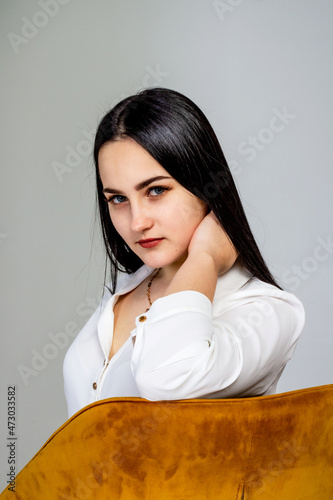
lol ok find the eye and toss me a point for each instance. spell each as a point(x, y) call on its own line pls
point(158, 188)
point(118, 199)
point(115, 199)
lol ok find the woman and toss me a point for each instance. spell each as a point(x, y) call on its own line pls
point(196, 312)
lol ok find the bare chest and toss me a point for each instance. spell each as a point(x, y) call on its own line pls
point(126, 309)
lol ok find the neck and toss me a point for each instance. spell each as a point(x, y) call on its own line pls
point(167, 273)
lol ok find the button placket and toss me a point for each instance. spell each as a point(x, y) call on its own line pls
point(138, 341)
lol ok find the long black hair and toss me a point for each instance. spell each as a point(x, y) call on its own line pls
point(177, 134)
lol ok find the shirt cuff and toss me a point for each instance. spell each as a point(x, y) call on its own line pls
point(177, 303)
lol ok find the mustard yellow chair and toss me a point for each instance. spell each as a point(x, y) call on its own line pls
point(272, 447)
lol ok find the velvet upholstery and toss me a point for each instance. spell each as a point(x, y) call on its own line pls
point(271, 447)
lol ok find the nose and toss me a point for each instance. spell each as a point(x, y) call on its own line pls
point(141, 219)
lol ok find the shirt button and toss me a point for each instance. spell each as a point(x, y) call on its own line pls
point(142, 318)
point(94, 385)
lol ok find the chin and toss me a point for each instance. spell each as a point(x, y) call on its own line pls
point(176, 261)
point(157, 261)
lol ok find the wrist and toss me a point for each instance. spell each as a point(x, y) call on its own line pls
point(203, 258)
point(197, 273)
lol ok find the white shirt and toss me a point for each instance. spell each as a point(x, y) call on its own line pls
point(187, 347)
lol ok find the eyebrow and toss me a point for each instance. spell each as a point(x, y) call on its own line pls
point(139, 186)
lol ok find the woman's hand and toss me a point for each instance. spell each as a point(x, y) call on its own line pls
point(210, 238)
point(210, 253)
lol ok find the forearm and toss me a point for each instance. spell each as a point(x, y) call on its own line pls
point(197, 273)
point(183, 351)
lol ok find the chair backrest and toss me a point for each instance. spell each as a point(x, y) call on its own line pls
point(271, 447)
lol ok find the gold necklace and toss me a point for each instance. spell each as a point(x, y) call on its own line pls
point(148, 289)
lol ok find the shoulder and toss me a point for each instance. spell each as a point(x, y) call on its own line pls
point(238, 285)
point(255, 289)
point(247, 298)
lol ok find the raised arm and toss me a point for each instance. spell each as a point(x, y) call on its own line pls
point(210, 253)
point(188, 347)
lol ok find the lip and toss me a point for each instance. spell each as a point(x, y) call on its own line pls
point(151, 242)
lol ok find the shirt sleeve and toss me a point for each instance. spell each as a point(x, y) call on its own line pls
point(181, 350)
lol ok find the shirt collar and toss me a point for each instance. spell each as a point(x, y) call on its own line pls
point(231, 281)
point(125, 283)
point(227, 283)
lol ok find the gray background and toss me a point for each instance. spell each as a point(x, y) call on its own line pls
point(241, 62)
